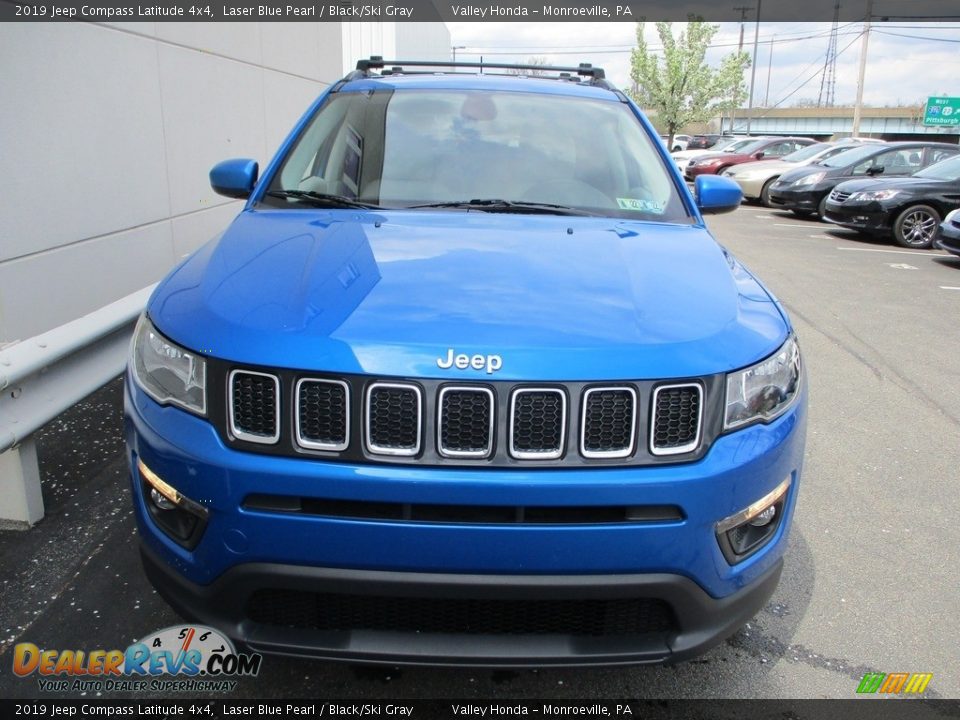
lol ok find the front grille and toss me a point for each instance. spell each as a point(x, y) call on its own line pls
point(466, 422)
point(393, 419)
point(323, 421)
point(839, 196)
point(345, 613)
point(253, 406)
point(431, 422)
point(677, 411)
point(609, 422)
point(538, 421)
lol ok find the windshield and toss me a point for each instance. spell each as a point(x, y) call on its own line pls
point(405, 148)
point(943, 170)
point(753, 146)
point(736, 145)
point(851, 157)
point(805, 153)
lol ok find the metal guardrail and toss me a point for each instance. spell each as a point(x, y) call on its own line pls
point(44, 375)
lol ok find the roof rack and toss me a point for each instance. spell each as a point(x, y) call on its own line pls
point(593, 75)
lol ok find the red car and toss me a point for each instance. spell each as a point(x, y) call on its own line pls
point(765, 148)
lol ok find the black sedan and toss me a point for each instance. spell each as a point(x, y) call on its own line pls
point(949, 237)
point(909, 208)
point(805, 190)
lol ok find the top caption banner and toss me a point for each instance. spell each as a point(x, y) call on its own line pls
point(460, 11)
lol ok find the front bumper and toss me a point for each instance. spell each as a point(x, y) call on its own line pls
point(750, 186)
point(677, 562)
point(869, 217)
point(807, 199)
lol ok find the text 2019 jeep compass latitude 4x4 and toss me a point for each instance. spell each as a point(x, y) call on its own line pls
point(467, 381)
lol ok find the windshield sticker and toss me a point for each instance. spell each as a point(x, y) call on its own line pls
point(647, 206)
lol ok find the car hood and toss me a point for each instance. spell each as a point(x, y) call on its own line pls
point(898, 183)
point(761, 167)
point(388, 293)
point(799, 172)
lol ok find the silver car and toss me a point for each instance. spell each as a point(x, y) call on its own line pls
point(755, 178)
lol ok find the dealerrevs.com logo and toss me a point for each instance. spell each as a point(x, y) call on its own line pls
point(182, 658)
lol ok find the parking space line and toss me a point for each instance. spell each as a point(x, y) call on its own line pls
point(949, 287)
point(896, 252)
point(805, 227)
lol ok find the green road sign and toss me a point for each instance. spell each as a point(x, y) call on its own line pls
point(942, 111)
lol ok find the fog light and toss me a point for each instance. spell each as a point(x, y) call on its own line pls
point(161, 501)
point(181, 518)
point(745, 532)
point(765, 518)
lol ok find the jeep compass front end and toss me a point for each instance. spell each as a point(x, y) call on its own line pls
point(467, 382)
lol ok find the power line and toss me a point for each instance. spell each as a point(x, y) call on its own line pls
point(917, 37)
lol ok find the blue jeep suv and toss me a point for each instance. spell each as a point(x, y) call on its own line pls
point(466, 382)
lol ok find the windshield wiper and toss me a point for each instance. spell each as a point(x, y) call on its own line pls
point(506, 206)
point(321, 199)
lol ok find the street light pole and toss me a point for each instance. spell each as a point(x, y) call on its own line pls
point(863, 70)
point(454, 48)
point(753, 70)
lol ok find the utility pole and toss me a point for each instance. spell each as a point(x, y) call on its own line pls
point(753, 70)
point(766, 100)
point(743, 10)
point(863, 69)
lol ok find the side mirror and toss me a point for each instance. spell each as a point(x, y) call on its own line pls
point(758, 155)
point(876, 170)
point(234, 178)
point(716, 194)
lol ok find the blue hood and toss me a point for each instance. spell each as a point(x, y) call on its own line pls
point(387, 293)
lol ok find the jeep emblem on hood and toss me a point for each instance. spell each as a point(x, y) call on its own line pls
point(478, 362)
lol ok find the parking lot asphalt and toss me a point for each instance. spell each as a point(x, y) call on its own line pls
point(871, 582)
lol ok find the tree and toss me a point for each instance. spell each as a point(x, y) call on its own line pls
point(538, 61)
point(680, 86)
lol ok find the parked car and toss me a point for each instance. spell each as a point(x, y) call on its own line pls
point(726, 144)
point(704, 142)
point(805, 190)
point(460, 369)
point(909, 209)
point(948, 237)
point(755, 178)
point(762, 148)
point(679, 142)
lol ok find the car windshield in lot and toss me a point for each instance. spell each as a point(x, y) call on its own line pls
point(948, 170)
point(482, 150)
point(805, 153)
point(845, 159)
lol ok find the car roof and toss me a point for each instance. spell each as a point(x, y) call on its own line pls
point(475, 81)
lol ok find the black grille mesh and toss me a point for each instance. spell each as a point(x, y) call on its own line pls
point(537, 421)
point(394, 417)
point(676, 416)
point(608, 421)
point(465, 421)
point(333, 612)
point(323, 413)
point(255, 404)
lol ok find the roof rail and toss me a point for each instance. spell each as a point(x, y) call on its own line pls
point(393, 67)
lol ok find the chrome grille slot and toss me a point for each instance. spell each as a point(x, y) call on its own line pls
point(608, 425)
point(323, 414)
point(465, 427)
point(394, 418)
point(839, 196)
point(253, 404)
point(538, 423)
point(677, 415)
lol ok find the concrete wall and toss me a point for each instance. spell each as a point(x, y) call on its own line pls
point(108, 133)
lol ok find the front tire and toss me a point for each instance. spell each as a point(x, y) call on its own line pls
point(916, 226)
point(765, 192)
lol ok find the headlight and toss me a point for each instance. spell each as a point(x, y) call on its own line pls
point(868, 195)
point(811, 179)
point(765, 390)
point(166, 372)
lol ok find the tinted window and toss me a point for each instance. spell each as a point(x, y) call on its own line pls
point(892, 162)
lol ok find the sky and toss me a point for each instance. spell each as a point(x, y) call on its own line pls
point(900, 70)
